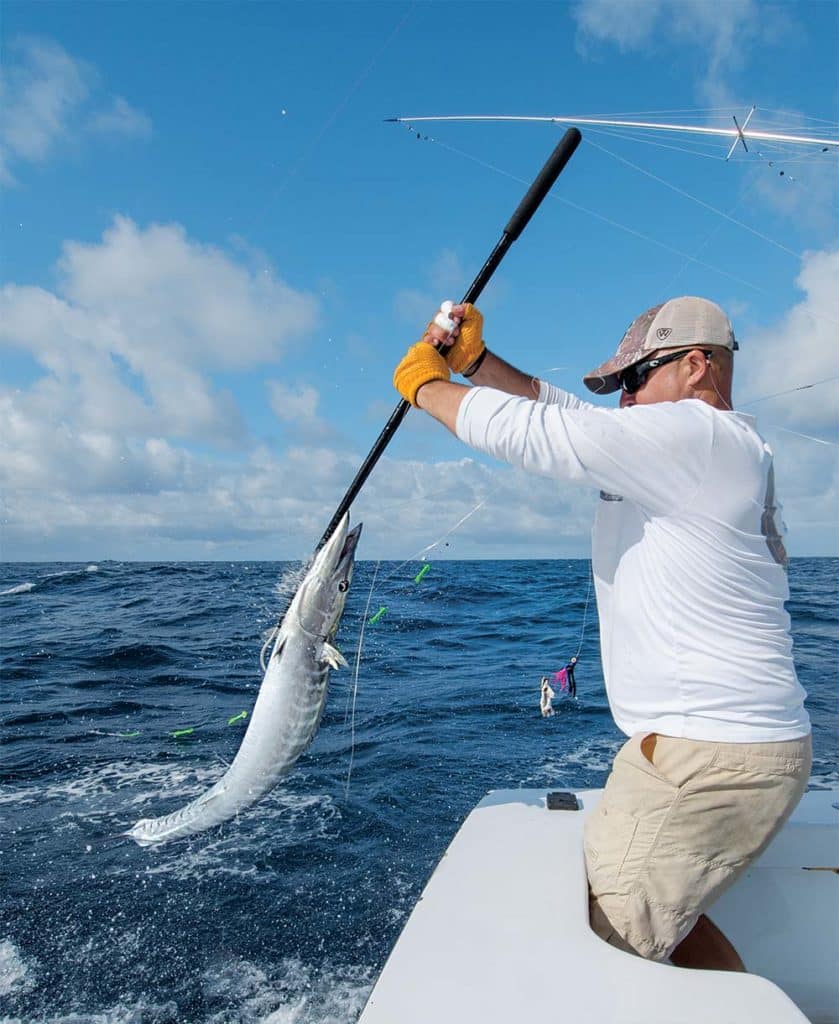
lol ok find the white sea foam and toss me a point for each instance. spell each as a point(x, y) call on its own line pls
point(114, 795)
point(16, 974)
point(158, 780)
point(284, 819)
point(286, 586)
point(141, 1012)
point(289, 992)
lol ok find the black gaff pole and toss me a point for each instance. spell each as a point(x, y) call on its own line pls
point(518, 222)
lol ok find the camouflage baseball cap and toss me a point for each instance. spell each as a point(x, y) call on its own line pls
point(685, 322)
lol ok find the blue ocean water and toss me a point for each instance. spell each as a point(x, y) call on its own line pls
point(286, 915)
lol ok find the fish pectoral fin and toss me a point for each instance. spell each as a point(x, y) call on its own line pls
point(332, 656)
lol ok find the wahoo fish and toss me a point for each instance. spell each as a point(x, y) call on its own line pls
point(290, 701)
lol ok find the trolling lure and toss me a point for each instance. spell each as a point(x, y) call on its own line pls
point(379, 614)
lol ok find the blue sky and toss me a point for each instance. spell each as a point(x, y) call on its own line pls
point(215, 251)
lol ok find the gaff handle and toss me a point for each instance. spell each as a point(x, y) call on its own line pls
point(544, 182)
point(517, 223)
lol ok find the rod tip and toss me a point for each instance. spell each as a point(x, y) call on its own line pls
point(390, 120)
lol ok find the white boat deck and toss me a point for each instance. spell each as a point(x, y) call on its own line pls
point(501, 932)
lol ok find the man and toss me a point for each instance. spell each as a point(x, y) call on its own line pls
point(690, 577)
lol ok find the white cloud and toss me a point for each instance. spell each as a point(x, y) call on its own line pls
point(41, 88)
point(447, 280)
point(118, 449)
point(626, 23)
point(128, 345)
point(120, 118)
point(44, 95)
point(798, 350)
point(717, 42)
point(294, 404)
point(182, 301)
point(273, 505)
point(722, 35)
point(722, 31)
point(410, 505)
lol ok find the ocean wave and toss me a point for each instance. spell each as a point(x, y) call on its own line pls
point(50, 579)
point(21, 588)
point(584, 767)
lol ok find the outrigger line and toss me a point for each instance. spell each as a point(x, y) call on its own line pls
point(737, 133)
point(690, 258)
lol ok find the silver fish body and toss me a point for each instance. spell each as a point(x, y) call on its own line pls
point(290, 701)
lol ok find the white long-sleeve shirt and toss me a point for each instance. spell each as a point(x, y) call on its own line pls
point(688, 561)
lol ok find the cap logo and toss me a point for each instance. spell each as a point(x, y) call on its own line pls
point(663, 333)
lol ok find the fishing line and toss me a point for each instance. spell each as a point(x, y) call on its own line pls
point(585, 609)
point(430, 547)
point(592, 213)
point(366, 617)
point(809, 437)
point(801, 117)
point(789, 391)
point(330, 120)
point(667, 290)
point(175, 734)
point(380, 512)
point(355, 681)
point(700, 202)
point(633, 231)
point(734, 135)
point(707, 153)
point(697, 111)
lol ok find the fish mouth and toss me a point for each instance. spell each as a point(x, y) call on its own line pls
point(351, 541)
point(347, 556)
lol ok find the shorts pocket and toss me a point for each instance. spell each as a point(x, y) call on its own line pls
point(607, 839)
point(674, 760)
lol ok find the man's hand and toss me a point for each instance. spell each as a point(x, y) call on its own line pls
point(421, 364)
point(460, 330)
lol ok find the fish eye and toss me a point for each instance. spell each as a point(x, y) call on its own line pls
point(344, 586)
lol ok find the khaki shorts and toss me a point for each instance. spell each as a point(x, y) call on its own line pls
point(679, 821)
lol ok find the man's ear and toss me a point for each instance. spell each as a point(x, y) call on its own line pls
point(697, 363)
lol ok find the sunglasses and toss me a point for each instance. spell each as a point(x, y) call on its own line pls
point(633, 377)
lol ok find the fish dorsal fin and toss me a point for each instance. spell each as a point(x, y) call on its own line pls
point(332, 656)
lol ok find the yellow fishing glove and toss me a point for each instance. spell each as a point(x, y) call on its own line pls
point(421, 364)
point(469, 346)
